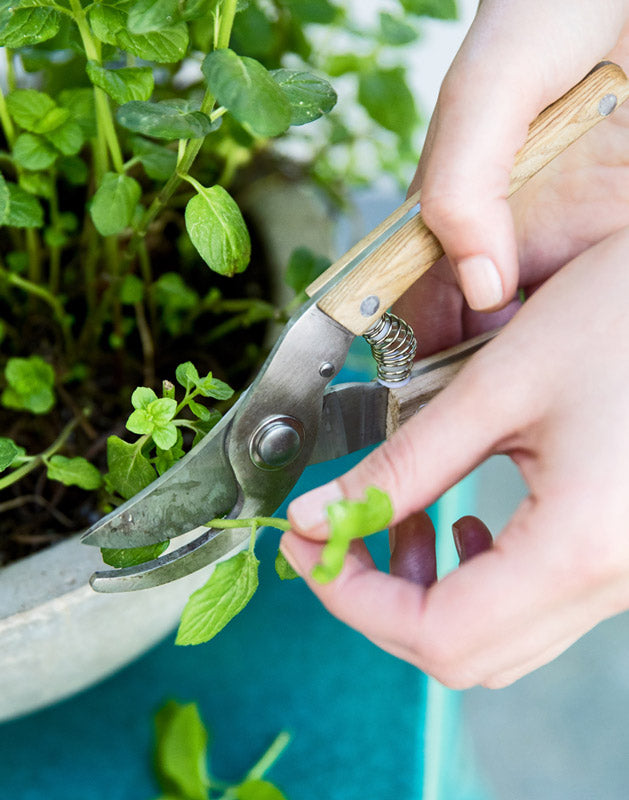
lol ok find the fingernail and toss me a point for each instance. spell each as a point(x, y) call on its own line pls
point(481, 282)
point(458, 542)
point(309, 510)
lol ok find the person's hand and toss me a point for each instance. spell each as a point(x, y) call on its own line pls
point(549, 391)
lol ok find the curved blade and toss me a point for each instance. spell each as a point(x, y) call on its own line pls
point(193, 491)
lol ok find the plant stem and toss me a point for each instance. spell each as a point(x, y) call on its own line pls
point(261, 522)
point(264, 764)
point(228, 12)
point(5, 119)
point(37, 460)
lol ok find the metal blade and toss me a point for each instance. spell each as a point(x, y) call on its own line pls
point(193, 491)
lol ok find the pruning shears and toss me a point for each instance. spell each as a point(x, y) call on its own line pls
point(290, 416)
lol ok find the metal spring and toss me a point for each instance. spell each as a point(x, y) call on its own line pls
point(393, 346)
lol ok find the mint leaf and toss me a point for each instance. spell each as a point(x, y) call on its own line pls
point(9, 451)
point(123, 85)
point(387, 99)
point(29, 26)
point(30, 385)
point(164, 46)
point(129, 470)
point(283, 568)
point(131, 556)
point(74, 472)
point(303, 268)
point(439, 9)
point(351, 519)
point(210, 608)
point(25, 211)
point(167, 119)
point(396, 31)
point(32, 152)
point(257, 789)
point(142, 396)
point(309, 96)
point(248, 92)
point(218, 231)
point(158, 161)
point(152, 15)
point(106, 22)
point(35, 111)
point(131, 290)
point(187, 375)
point(67, 137)
point(114, 202)
point(181, 757)
point(213, 387)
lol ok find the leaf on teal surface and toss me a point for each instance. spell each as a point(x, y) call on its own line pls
point(181, 757)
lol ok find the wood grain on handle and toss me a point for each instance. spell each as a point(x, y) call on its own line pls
point(388, 272)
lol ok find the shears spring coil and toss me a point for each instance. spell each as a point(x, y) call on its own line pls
point(393, 346)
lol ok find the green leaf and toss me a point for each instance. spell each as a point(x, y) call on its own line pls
point(439, 9)
point(213, 387)
point(210, 608)
point(167, 119)
point(82, 110)
point(152, 15)
point(388, 100)
point(181, 756)
point(309, 96)
point(187, 375)
point(29, 26)
point(30, 385)
point(201, 411)
point(9, 451)
point(258, 789)
point(37, 183)
point(67, 137)
point(114, 203)
point(166, 458)
point(319, 11)
point(303, 268)
point(33, 152)
point(25, 211)
point(247, 90)
point(129, 470)
point(351, 519)
point(165, 46)
point(74, 472)
point(106, 22)
point(283, 568)
point(165, 436)
point(218, 231)
point(131, 556)
point(396, 31)
point(131, 290)
point(34, 111)
point(74, 170)
point(158, 161)
point(5, 200)
point(142, 397)
point(123, 85)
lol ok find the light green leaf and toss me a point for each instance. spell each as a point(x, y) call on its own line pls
point(106, 22)
point(258, 789)
point(5, 200)
point(28, 26)
point(218, 231)
point(388, 100)
point(158, 161)
point(142, 397)
point(37, 183)
point(248, 91)
point(123, 85)
point(309, 96)
point(74, 472)
point(131, 556)
point(152, 417)
point(31, 108)
point(167, 119)
point(210, 608)
point(30, 384)
point(165, 436)
point(152, 15)
point(131, 290)
point(439, 9)
point(181, 756)
point(67, 137)
point(187, 375)
point(9, 451)
point(283, 568)
point(320, 11)
point(165, 46)
point(351, 519)
point(129, 470)
point(32, 152)
point(166, 458)
point(396, 31)
point(25, 211)
point(213, 387)
point(201, 411)
point(114, 203)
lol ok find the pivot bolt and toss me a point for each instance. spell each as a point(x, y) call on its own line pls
point(276, 442)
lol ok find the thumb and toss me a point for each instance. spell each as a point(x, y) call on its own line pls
point(516, 59)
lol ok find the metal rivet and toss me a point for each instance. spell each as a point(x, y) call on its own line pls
point(277, 442)
point(326, 370)
point(607, 104)
point(370, 305)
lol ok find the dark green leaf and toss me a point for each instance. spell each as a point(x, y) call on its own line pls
point(129, 470)
point(123, 85)
point(9, 451)
point(80, 104)
point(248, 91)
point(168, 119)
point(283, 568)
point(165, 46)
point(254, 33)
point(106, 22)
point(131, 556)
point(25, 211)
point(195, 9)
point(166, 458)
point(303, 268)
point(388, 100)
point(74, 170)
point(74, 472)
point(351, 519)
point(131, 290)
point(309, 96)
point(5, 200)
point(218, 231)
point(258, 789)
point(37, 183)
point(30, 384)
point(28, 26)
point(158, 161)
point(396, 31)
point(320, 11)
point(439, 9)
point(181, 756)
point(32, 152)
point(67, 137)
point(210, 608)
point(152, 15)
point(213, 387)
point(344, 63)
point(114, 203)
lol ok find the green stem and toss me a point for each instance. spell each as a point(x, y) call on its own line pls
point(5, 118)
point(264, 764)
point(261, 522)
point(228, 12)
point(37, 460)
point(55, 251)
point(34, 255)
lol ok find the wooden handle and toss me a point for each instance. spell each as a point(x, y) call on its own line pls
point(388, 271)
point(428, 378)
